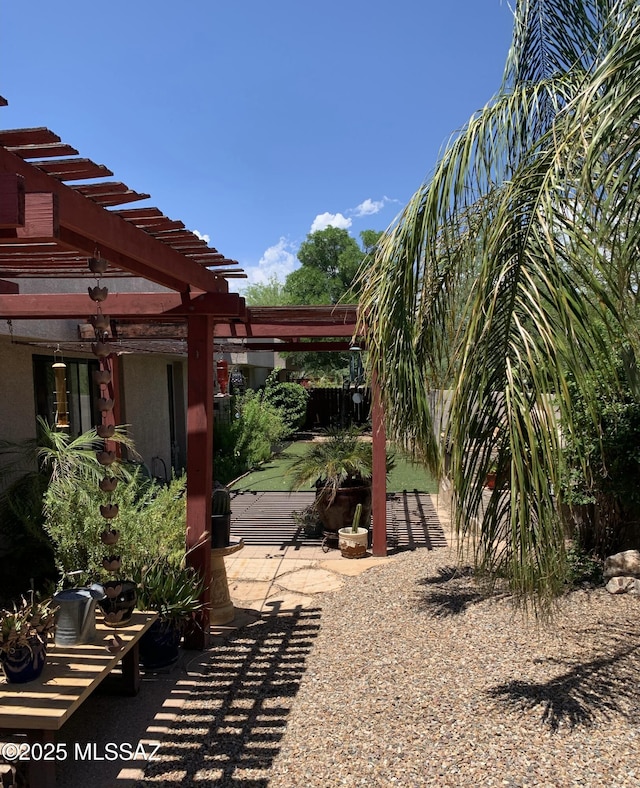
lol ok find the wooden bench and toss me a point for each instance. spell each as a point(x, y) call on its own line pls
point(71, 673)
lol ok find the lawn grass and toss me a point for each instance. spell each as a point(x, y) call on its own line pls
point(271, 476)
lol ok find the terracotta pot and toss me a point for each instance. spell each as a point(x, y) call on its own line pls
point(339, 513)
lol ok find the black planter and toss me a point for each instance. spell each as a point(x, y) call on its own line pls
point(159, 645)
point(25, 663)
point(220, 530)
point(119, 609)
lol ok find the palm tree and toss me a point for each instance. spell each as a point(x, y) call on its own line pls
point(507, 273)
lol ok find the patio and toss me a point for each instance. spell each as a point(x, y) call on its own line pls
point(278, 589)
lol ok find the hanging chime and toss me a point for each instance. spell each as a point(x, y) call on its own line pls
point(62, 407)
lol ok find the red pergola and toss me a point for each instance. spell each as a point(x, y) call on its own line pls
point(50, 225)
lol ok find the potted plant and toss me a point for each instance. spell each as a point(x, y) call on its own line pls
point(353, 540)
point(341, 467)
point(24, 632)
point(173, 590)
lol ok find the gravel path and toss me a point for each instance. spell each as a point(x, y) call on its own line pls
point(408, 676)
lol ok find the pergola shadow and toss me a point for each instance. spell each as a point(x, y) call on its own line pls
point(266, 518)
point(229, 730)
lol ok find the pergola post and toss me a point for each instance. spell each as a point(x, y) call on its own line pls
point(379, 480)
point(200, 461)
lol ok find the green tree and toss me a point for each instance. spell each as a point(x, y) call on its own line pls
point(269, 293)
point(489, 283)
point(330, 260)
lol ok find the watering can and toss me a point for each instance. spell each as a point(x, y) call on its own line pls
point(76, 615)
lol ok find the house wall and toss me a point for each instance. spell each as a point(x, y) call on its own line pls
point(145, 408)
point(17, 401)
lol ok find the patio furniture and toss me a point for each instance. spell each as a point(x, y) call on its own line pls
point(41, 707)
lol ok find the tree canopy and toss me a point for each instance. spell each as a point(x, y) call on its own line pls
point(509, 271)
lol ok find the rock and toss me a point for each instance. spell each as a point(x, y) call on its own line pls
point(623, 585)
point(626, 564)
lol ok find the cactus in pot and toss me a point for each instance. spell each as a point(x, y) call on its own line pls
point(220, 516)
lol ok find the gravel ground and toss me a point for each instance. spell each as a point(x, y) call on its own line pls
point(409, 676)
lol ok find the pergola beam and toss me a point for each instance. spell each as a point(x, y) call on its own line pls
point(151, 306)
point(139, 253)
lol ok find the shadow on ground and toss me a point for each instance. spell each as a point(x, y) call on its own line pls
point(587, 692)
point(229, 731)
point(450, 592)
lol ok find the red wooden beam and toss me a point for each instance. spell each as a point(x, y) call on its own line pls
point(279, 331)
point(379, 480)
point(11, 200)
point(138, 252)
point(28, 306)
point(200, 462)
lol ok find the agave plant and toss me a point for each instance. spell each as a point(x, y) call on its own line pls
point(171, 589)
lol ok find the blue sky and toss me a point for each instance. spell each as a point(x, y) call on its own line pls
point(255, 122)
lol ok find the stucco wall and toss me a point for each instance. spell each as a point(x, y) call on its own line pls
point(146, 408)
point(17, 403)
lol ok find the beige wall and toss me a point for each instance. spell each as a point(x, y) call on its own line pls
point(146, 409)
point(17, 402)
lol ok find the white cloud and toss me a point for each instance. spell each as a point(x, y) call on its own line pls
point(278, 260)
point(324, 220)
point(369, 207)
point(202, 236)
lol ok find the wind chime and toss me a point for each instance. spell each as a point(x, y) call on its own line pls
point(60, 375)
point(103, 377)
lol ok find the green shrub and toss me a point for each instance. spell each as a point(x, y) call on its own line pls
point(260, 428)
point(290, 400)
point(151, 519)
point(601, 471)
point(582, 567)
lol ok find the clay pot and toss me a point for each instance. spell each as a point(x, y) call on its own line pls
point(109, 537)
point(109, 510)
point(106, 457)
point(104, 404)
point(105, 431)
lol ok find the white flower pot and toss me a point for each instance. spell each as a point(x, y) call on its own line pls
point(353, 545)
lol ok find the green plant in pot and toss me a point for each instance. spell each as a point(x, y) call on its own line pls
point(24, 632)
point(173, 590)
point(353, 540)
point(340, 466)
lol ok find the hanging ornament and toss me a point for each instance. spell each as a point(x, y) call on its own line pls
point(62, 407)
point(222, 373)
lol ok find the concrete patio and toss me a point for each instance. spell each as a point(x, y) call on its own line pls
point(265, 581)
